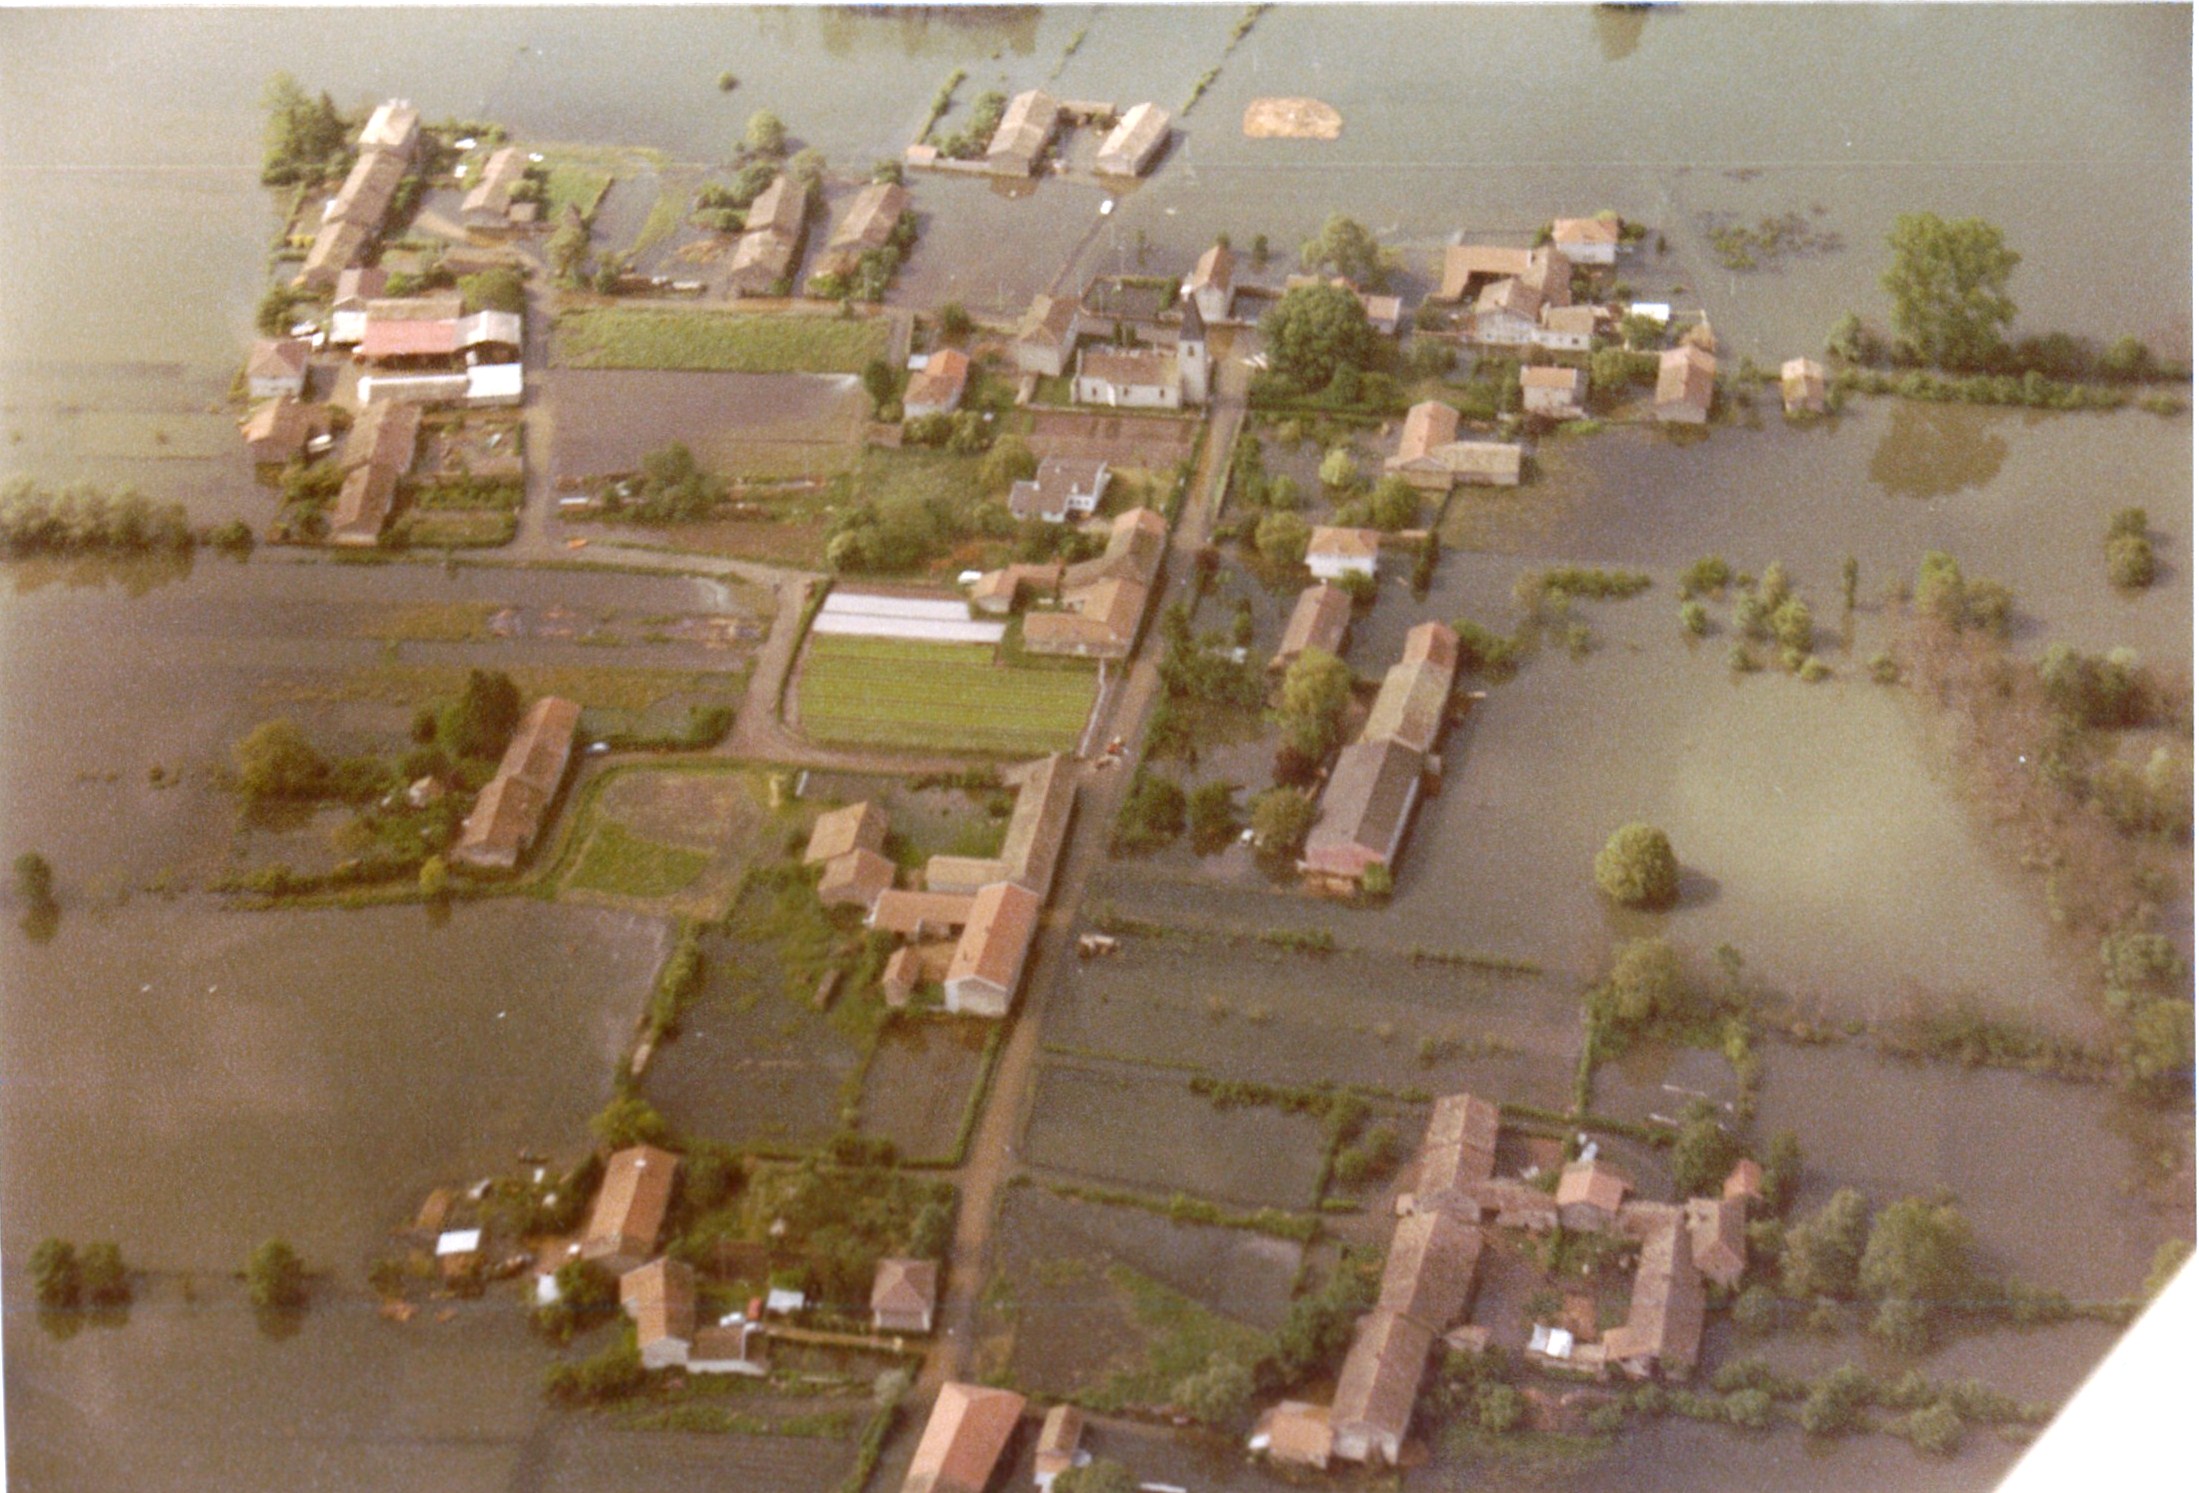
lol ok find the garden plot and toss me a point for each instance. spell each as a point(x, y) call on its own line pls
point(939, 697)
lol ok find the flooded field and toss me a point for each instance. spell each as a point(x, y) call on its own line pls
point(919, 1085)
point(753, 425)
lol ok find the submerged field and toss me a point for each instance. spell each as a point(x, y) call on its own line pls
point(940, 697)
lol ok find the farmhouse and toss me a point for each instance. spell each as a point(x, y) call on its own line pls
point(1375, 1392)
point(1334, 553)
point(376, 455)
point(1468, 268)
point(1458, 1152)
point(277, 367)
point(764, 258)
point(1559, 393)
point(868, 224)
point(1663, 1331)
point(1212, 283)
point(1590, 1194)
point(1037, 825)
point(855, 879)
point(629, 1209)
point(1431, 458)
point(858, 826)
point(1363, 811)
point(1687, 378)
point(1026, 129)
point(1568, 329)
point(1295, 1432)
point(489, 205)
point(351, 220)
point(962, 1442)
point(1046, 336)
point(1416, 692)
point(1587, 240)
point(1321, 619)
point(903, 1295)
point(1429, 1273)
point(937, 388)
point(394, 126)
point(279, 430)
point(997, 591)
point(1103, 600)
point(1717, 1234)
point(1148, 377)
point(1802, 386)
point(988, 961)
point(358, 286)
point(1135, 140)
point(1062, 486)
point(1058, 1437)
point(509, 814)
point(920, 915)
point(660, 1297)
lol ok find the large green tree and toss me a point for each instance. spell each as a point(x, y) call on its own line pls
point(1823, 1253)
point(1313, 331)
point(1949, 281)
point(275, 1276)
point(1344, 245)
point(480, 722)
point(275, 761)
point(1315, 689)
point(1636, 867)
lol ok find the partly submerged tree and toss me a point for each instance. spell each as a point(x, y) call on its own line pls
point(1949, 281)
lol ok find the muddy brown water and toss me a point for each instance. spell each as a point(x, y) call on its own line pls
point(2046, 120)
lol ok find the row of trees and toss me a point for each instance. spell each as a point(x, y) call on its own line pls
point(88, 519)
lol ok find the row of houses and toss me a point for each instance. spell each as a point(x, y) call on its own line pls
point(1099, 603)
point(354, 217)
point(971, 926)
point(1370, 795)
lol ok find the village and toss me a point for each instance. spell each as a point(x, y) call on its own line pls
point(1036, 1078)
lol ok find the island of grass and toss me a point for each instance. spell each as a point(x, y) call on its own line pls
point(955, 697)
point(704, 340)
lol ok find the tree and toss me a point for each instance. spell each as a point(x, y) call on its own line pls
point(1316, 687)
point(628, 1121)
point(305, 135)
point(1282, 537)
point(1100, 1475)
point(55, 1275)
point(1313, 331)
point(1823, 1253)
point(954, 320)
point(1344, 245)
point(1152, 815)
point(1903, 1324)
point(881, 383)
point(1498, 1407)
point(766, 135)
point(1782, 1171)
point(105, 1279)
point(1338, 469)
point(568, 247)
point(434, 877)
point(2130, 562)
point(1393, 505)
point(34, 881)
point(275, 1277)
point(500, 289)
point(480, 722)
point(1645, 983)
point(1280, 819)
point(1835, 1401)
point(275, 761)
point(807, 168)
point(1637, 868)
point(1213, 816)
point(1010, 461)
point(1216, 1394)
point(1704, 1152)
point(1949, 283)
point(1756, 1311)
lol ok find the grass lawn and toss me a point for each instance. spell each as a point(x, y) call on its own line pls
point(618, 860)
point(712, 340)
point(572, 183)
point(939, 697)
point(458, 528)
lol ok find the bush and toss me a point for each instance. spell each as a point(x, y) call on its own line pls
point(2130, 562)
point(275, 1277)
point(106, 1280)
point(1704, 1152)
point(1694, 620)
point(1482, 651)
point(1280, 819)
point(275, 761)
point(1645, 983)
point(1824, 1253)
point(1637, 868)
point(1918, 1250)
point(628, 1121)
point(1212, 816)
point(1281, 538)
point(1152, 814)
point(55, 1274)
point(1936, 1429)
point(1706, 576)
point(1835, 1403)
point(1756, 1311)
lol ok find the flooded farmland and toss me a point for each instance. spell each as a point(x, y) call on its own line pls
point(190, 1079)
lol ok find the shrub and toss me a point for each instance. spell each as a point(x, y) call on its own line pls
point(1835, 1403)
point(1756, 1311)
point(1280, 819)
point(1645, 984)
point(1935, 1430)
point(2130, 562)
point(1152, 814)
point(275, 1277)
point(1281, 538)
point(105, 1279)
point(1498, 1408)
point(55, 1274)
point(1212, 816)
point(1637, 868)
point(1483, 651)
point(1824, 1253)
point(1693, 619)
point(1707, 575)
point(628, 1121)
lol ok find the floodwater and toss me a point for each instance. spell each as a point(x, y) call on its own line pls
point(342, 1060)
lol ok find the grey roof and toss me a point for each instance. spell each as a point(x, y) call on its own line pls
point(1367, 798)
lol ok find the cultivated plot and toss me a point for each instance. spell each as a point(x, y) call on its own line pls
point(938, 697)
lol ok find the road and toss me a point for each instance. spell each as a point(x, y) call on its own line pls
point(991, 1159)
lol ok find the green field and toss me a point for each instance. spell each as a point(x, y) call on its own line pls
point(702, 340)
point(939, 697)
point(570, 183)
point(620, 861)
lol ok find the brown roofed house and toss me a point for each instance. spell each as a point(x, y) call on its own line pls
point(903, 973)
point(1416, 692)
point(962, 1442)
point(1467, 268)
point(767, 250)
point(1363, 810)
point(1802, 386)
point(1375, 1392)
point(859, 826)
point(1559, 393)
point(489, 204)
point(1321, 619)
point(1213, 281)
point(1136, 138)
point(903, 1295)
point(1687, 380)
point(277, 367)
point(1333, 553)
point(1588, 240)
point(937, 387)
point(363, 504)
point(855, 879)
point(660, 1297)
point(629, 1208)
point(1459, 1150)
point(336, 247)
point(359, 285)
point(868, 224)
point(508, 816)
point(1026, 127)
point(278, 431)
point(394, 126)
point(1745, 1181)
point(1429, 1273)
point(1047, 335)
point(1717, 1230)
point(1297, 1433)
point(1058, 1438)
point(1590, 1194)
point(1099, 620)
point(920, 915)
point(1663, 1331)
point(988, 961)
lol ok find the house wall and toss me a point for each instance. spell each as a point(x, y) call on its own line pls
point(1590, 253)
point(275, 387)
point(1131, 396)
point(1564, 342)
point(1548, 402)
point(1681, 413)
point(664, 1353)
point(901, 1321)
point(971, 996)
point(1335, 567)
point(1502, 329)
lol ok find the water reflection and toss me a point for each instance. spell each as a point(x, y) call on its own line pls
point(1936, 450)
point(136, 575)
point(916, 31)
point(1619, 30)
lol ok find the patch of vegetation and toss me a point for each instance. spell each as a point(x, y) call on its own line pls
point(938, 696)
point(624, 864)
point(86, 519)
point(705, 339)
